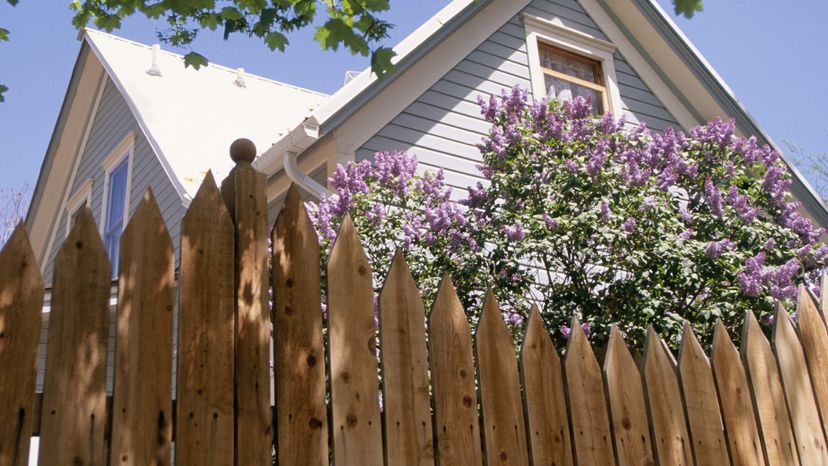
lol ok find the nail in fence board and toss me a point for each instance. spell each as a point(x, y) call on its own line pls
point(21, 289)
point(735, 400)
point(299, 355)
point(407, 408)
point(701, 403)
point(671, 441)
point(815, 345)
point(244, 194)
point(204, 409)
point(504, 430)
point(587, 405)
point(768, 396)
point(142, 405)
point(546, 422)
point(452, 377)
point(807, 426)
point(626, 403)
point(74, 390)
point(357, 435)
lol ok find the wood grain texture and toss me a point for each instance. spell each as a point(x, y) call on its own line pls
point(814, 339)
point(807, 427)
point(204, 409)
point(407, 423)
point(547, 425)
point(299, 354)
point(768, 396)
point(142, 416)
point(504, 429)
point(456, 424)
point(244, 194)
point(734, 398)
point(671, 440)
point(701, 402)
point(74, 390)
point(625, 394)
point(357, 435)
point(21, 303)
point(588, 413)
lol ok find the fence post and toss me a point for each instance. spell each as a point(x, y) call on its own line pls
point(244, 194)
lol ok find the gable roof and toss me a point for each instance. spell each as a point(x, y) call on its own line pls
point(191, 117)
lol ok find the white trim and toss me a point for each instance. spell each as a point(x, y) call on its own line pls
point(554, 32)
point(81, 196)
point(125, 149)
point(78, 157)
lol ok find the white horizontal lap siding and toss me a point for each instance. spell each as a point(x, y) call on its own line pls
point(444, 125)
point(113, 122)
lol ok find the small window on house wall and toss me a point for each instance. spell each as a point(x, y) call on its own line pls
point(115, 209)
point(567, 75)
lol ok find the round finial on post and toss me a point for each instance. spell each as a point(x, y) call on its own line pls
point(243, 151)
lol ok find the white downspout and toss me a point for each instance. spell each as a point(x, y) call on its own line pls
point(284, 155)
point(295, 174)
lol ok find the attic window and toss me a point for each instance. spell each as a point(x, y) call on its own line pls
point(565, 63)
point(567, 75)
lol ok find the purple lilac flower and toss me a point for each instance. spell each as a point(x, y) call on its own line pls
point(550, 222)
point(716, 248)
point(565, 331)
point(571, 166)
point(769, 244)
point(713, 197)
point(477, 196)
point(686, 216)
point(686, 234)
point(605, 211)
point(740, 204)
point(629, 225)
point(587, 328)
point(514, 232)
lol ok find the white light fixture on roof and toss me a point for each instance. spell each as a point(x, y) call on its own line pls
point(240, 78)
point(154, 70)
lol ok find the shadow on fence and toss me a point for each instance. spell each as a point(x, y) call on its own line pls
point(448, 398)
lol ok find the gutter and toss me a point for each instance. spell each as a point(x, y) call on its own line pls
point(284, 154)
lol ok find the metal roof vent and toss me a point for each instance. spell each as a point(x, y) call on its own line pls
point(240, 78)
point(154, 70)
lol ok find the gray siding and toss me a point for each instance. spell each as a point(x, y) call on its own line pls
point(113, 121)
point(443, 126)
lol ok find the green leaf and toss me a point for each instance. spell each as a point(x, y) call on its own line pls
point(381, 61)
point(276, 40)
point(4, 34)
point(3, 89)
point(196, 60)
point(687, 8)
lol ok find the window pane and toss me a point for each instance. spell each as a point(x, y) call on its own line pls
point(563, 90)
point(115, 213)
point(553, 61)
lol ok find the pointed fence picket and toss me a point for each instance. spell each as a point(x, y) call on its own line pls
point(447, 398)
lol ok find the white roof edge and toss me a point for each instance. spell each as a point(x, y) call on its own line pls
point(365, 78)
point(179, 187)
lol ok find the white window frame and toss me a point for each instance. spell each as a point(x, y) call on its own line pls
point(83, 196)
point(125, 149)
point(556, 34)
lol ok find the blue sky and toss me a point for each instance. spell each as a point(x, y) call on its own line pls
point(769, 52)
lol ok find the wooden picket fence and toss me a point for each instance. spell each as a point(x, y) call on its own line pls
point(448, 397)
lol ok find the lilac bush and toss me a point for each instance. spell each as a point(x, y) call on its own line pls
point(393, 206)
point(617, 224)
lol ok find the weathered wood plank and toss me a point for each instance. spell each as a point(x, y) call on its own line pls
point(736, 404)
point(671, 440)
point(408, 435)
point(357, 435)
point(141, 425)
point(299, 354)
point(587, 406)
point(625, 394)
point(701, 402)
point(74, 390)
point(204, 410)
point(456, 422)
point(814, 338)
point(543, 387)
point(244, 194)
point(21, 303)
point(504, 429)
point(768, 397)
point(807, 427)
